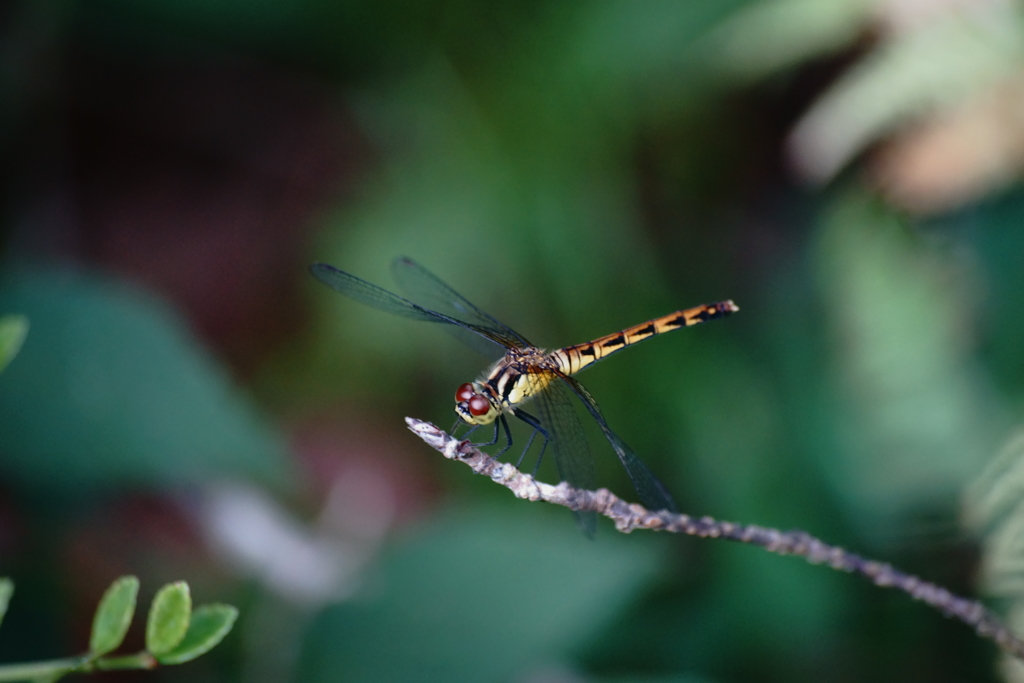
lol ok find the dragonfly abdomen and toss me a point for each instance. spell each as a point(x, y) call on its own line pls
point(572, 359)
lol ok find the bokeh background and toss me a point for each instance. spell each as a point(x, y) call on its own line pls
point(190, 404)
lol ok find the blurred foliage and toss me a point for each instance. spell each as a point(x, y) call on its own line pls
point(994, 508)
point(915, 410)
point(480, 597)
point(136, 399)
point(170, 169)
point(6, 590)
point(13, 329)
point(943, 78)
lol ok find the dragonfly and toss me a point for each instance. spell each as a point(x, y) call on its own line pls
point(523, 374)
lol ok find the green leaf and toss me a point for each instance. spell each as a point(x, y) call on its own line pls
point(137, 397)
point(114, 615)
point(169, 617)
point(13, 329)
point(6, 590)
point(209, 625)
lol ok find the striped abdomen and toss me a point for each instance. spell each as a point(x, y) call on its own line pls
point(572, 359)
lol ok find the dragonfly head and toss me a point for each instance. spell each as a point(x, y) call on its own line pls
point(473, 406)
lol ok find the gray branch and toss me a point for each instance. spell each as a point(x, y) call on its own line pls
point(630, 516)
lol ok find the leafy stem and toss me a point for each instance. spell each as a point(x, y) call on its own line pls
point(174, 632)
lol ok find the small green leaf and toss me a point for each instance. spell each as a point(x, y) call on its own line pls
point(6, 590)
point(169, 616)
point(113, 615)
point(210, 623)
point(13, 329)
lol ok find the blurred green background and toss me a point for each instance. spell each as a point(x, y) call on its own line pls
point(190, 404)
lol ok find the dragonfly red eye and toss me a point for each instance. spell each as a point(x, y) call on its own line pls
point(478, 405)
point(464, 392)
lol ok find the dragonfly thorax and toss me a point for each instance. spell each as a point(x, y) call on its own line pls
point(513, 380)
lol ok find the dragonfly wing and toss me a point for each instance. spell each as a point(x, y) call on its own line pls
point(485, 345)
point(652, 492)
point(422, 286)
point(376, 297)
point(369, 294)
point(573, 459)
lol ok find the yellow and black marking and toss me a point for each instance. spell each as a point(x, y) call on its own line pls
point(572, 359)
point(521, 374)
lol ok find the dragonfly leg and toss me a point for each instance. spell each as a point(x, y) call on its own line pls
point(537, 429)
point(508, 436)
point(540, 457)
point(527, 449)
point(470, 431)
point(492, 441)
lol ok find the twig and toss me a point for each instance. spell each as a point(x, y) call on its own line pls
point(630, 516)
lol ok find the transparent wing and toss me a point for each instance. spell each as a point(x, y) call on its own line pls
point(573, 459)
point(422, 286)
point(480, 338)
point(652, 492)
